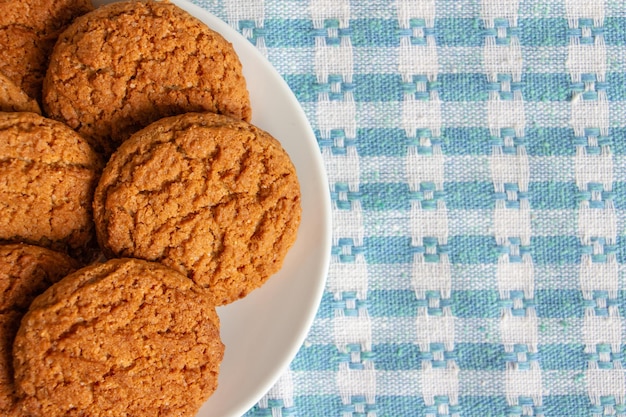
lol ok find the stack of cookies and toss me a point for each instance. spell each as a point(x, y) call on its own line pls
point(136, 198)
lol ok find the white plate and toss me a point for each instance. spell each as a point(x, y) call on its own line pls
point(264, 331)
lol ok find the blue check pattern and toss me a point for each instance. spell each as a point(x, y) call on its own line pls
point(475, 151)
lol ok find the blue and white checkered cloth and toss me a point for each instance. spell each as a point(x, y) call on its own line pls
point(476, 154)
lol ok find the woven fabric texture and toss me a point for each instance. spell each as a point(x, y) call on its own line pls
point(476, 155)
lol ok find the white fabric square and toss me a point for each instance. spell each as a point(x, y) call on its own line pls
point(598, 330)
point(593, 168)
point(420, 114)
point(411, 9)
point(417, 59)
point(503, 59)
point(434, 329)
point(342, 168)
point(329, 9)
point(575, 9)
point(590, 113)
point(431, 276)
point(597, 222)
point(586, 59)
point(429, 223)
point(353, 330)
point(343, 277)
point(506, 114)
point(237, 10)
point(337, 115)
point(439, 381)
point(512, 222)
point(334, 59)
point(523, 383)
point(605, 382)
point(511, 169)
point(353, 382)
point(517, 276)
point(424, 168)
point(599, 276)
point(516, 330)
point(348, 224)
point(492, 9)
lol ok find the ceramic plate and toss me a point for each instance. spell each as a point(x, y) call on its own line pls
point(264, 331)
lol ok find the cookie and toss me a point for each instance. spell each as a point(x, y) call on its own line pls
point(23, 58)
point(28, 31)
point(213, 197)
point(125, 65)
point(25, 272)
point(13, 98)
point(122, 338)
point(47, 177)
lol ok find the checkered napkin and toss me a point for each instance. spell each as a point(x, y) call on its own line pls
point(475, 155)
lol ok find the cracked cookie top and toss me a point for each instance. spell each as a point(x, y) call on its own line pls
point(122, 338)
point(125, 65)
point(213, 197)
point(48, 174)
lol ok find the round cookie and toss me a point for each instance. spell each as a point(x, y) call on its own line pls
point(28, 31)
point(125, 65)
point(25, 272)
point(47, 177)
point(122, 338)
point(210, 196)
point(14, 99)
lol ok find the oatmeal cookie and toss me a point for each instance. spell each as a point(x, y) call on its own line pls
point(122, 338)
point(213, 197)
point(13, 98)
point(25, 272)
point(47, 177)
point(28, 31)
point(127, 64)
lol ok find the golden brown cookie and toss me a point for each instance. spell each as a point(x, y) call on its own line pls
point(122, 338)
point(210, 196)
point(13, 98)
point(47, 177)
point(25, 272)
point(28, 31)
point(127, 64)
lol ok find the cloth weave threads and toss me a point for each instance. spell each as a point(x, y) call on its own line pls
point(486, 133)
